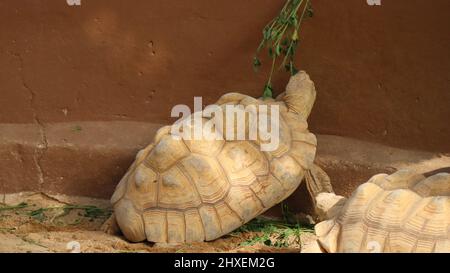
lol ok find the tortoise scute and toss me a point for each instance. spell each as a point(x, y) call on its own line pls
point(167, 153)
point(120, 190)
point(284, 142)
point(432, 216)
point(206, 175)
point(231, 97)
point(176, 191)
point(194, 226)
point(141, 187)
point(269, 190)
point(155, 222)
point(442, 246)
point(236, 158)
point(175, 227)
point(403, 179)
point(211, 222)
point(229, 219)
point(162, 132)
point(392, 208)
point(247, 206)
point(287, 171)
point(438, 184)
point(207, 141)
point(129, 221)
point(144, 175)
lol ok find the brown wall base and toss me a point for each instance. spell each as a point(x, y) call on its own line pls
point(89, 158)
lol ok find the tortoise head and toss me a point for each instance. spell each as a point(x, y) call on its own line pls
point(300, 94)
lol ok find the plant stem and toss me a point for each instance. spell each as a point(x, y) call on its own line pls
point(19, 206)
point(269, 82)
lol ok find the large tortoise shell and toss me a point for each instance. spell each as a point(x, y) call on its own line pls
point(195, 190)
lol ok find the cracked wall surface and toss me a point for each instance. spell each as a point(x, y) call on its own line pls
point(381, 74)
point(42, 145)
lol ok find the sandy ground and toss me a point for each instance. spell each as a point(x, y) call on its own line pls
point(33, 222)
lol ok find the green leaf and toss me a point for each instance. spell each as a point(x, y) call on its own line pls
point(295, 36)
point(270, 52)
point(274, 34)
point(278, 50)
point(38, 214)
point(19, 206)
point(256, 63)
point(293, 20)
point(77, 128)
point(292, 49)
point(268, 91)
point(284, 20)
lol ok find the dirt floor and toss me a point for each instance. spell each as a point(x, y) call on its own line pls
point(34, 222)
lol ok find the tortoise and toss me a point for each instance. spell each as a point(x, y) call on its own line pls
point(402, 212)
point(180, 190)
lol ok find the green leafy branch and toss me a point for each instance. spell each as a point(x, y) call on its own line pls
point(272, 233)
point(281, 37)
point(89, 211)
point(15, 207)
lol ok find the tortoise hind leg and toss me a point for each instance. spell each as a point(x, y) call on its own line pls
point(110, 226)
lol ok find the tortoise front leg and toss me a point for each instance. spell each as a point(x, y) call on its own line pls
point(326, 203)
point(317, 181)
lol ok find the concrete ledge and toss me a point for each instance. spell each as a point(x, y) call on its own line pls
point(84, 158)
point(89, 158)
